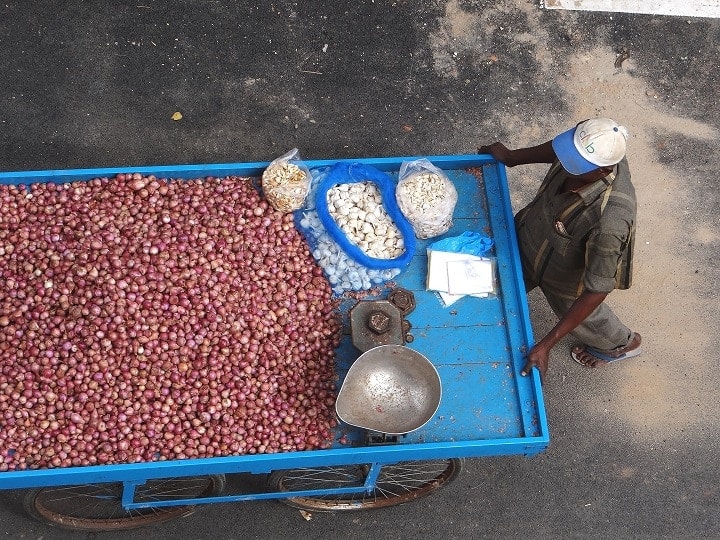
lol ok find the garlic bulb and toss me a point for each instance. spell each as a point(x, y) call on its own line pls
point(357, 209)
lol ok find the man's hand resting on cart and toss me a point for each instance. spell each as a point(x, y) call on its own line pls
point(539, 355)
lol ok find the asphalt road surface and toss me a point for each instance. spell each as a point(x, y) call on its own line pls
point(634, 446)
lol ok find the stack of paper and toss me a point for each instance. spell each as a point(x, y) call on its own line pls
point(454, 275)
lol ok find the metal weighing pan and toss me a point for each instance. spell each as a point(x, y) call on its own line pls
point(390, 389)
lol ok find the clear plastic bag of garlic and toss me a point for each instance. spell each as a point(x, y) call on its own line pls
point(286, 182)
point(426, 197)
point(343, 273)
point(358, 210)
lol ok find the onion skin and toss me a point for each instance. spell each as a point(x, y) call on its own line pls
point(151, 319)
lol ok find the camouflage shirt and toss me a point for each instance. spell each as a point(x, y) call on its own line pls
point(579, 240)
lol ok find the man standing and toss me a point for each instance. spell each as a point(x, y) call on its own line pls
point(576, 238)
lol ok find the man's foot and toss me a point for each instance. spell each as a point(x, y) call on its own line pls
point(590, 357)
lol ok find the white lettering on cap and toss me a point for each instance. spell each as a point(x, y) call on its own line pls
point(601, 140)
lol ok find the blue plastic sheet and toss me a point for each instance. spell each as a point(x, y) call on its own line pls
point(469, 242)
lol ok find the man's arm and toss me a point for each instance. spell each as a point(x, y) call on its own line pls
point(542, 153)
point(539, 355)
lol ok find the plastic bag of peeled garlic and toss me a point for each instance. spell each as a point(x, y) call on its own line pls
point(426, 197)
point(343, 271)
point(286, 182)
point(356, 204)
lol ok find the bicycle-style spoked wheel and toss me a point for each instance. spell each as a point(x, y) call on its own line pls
point(397, 484)
point(98, 507)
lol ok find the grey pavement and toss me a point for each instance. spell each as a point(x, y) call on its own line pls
point(634, 447)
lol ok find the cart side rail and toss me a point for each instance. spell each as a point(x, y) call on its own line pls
point(266, 463)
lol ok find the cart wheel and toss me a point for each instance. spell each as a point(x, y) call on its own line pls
point(98, 507)
point(397, 484)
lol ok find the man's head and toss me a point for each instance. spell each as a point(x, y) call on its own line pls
point(598, 143)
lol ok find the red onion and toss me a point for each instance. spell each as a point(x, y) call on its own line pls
point(150, 319)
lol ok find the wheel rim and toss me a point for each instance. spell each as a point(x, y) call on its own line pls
point(397, 484)
point(99, 506)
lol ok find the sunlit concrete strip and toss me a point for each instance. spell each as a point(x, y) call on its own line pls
point(682, 8)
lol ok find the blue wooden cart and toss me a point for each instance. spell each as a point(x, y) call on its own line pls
point(477, 346)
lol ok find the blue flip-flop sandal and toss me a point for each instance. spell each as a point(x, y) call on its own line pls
point(609, 356)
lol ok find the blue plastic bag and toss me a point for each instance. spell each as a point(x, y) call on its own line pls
point(349, 173)
point(344, 273)
point(469, 243)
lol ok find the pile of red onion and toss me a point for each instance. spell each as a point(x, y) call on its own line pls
point(149, 319)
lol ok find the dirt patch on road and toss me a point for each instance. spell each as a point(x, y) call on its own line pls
point(661, 391)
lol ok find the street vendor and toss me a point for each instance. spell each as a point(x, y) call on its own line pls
point(576, 239)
